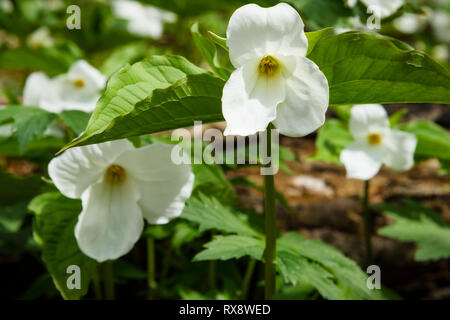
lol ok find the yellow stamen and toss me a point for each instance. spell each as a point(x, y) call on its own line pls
point(115, 174)
point(79, 83)
point(374, 138)
point(268, 65)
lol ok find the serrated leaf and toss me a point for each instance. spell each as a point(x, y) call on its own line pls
point(362, 68)
point(346, 272)
point(415, 223)
point(231, 247)
point(211, 214)
point(75, 120)
point(55, 219)
point(156, 94)
point(28, 123)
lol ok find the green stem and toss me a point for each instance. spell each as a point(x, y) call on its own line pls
point(108, 277)
point(270, 222)
point(367, 223)
point(247, 278)
point(150, 267)
point(96, 286)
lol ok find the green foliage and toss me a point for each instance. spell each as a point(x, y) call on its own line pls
point(28, 123)
point(433, 141)
point(19, 189)
point(362, 68)
point(156, 94)
point(128, 53)
point(75, 119)
point(55, 219)
point(210, 214)
point(209, 53)
point(232, 247)
point(416, 223)
point(332, 138)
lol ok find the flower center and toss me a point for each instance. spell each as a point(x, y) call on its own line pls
point(374, 138)
point(79, 83)
point(115, 174)
point(268, 65)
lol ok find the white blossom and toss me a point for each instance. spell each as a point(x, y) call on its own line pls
point(273, 81)
point(78, 89)
point(383, 8)
point(143, 20)
point(375, 144)
point(119, 186)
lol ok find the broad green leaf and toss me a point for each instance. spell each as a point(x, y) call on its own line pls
point(75, 120)
point(415, 223)
point(28, 122)
point(209, 53)
point(128, 53)
point(362, 68)
point(156, 94)
point(331, 139)
point(231, 247)
point(314, 37)
point(209, 213)
point(55, 219)
point(432, 140)
point(347, 273)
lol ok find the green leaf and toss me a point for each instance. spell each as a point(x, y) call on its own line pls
point(55, 220)
point(396, 117)
point(415, 223)
point(28, 122)
point(156, 94)
point(123, 55)
point(75, 120)
point(209, 53)
point(231, 247)
point(314, 37)
point(331, 139)
point(222, 42)
point(11, 217)
point(19, 189)
point(346, 272)
point(211, 214)
point(432, 140)
point(362, 68)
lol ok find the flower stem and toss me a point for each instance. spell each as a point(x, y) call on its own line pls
point(270, 222)
point(96, 287)
point(108, 276)
point(150, 267)
point(367, 223)
point(247, 278)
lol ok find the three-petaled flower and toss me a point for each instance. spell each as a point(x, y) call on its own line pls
point(119, 186)
point(78, 89)
point(273, 81)
point(376, 144)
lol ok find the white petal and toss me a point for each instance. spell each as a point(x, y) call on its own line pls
point(366, 118)
point(361, 161)
point(111, 221)
point(36, 85)
point(254, 32)
point(249, 100)
point(93, 78)
point(383, 8)
point(164, 186)
point(306, 102)
point(78, 168)
point(400, 148)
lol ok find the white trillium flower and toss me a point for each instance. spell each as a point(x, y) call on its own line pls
point(119, 186)
point(78, 89)
point(376, 144)
point(40, 38)
point(273, 80)
point(410, 23)
point(383, 8)
point(145, 21)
